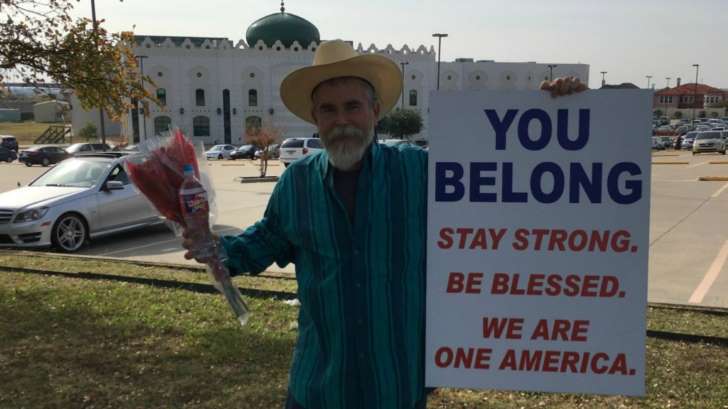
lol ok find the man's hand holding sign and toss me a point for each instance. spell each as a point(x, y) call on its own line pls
point(538, 237)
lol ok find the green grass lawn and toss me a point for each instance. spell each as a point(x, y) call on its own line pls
point(25, 131)
point(84, 341)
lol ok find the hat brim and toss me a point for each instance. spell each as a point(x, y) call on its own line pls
point(381, 72)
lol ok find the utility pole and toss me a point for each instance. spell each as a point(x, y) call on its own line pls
point(144, 107)
point(101, 110)
point(649, 77)
point(695, 89)
point(551, 71)
point(403, 64)
point(439, 50)
point(604, 81)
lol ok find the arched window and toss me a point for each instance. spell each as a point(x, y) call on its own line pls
point(201, 126)
point(252, 125)
point(413, 98)
point(161, 124)
point(162, 96)
point(200, 97)
point(253, 98)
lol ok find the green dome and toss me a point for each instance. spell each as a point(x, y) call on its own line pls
point(282, 26)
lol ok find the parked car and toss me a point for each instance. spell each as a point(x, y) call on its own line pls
point(667, 142)
point(79, 148)
point(711, 141)
point(244, 152)
point(42, 155)
point(9, 142)
point(688, 140)
point(81, 199)
point(220, 152)
point(293, 149)
point(7, 155)
point(275, 152)
point(656, 144)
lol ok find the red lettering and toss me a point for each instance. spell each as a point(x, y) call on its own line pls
point(445, 241)
point(551, 361)
point(599, 242)
point(599, 356)
point(479, 240)
point(539, 237)
point(535, 282)
point(463, 232)
point(589, 286)
point(609, 287)
point(474, 282)
point(478, 358)
point(570, 360)
point(557, 239)
point(561, 330)
point(443, 357)
point(455, 282)
point(579, 235)
point(494, 327)
point(520, 241)
point(500, 283)
point(620, 241)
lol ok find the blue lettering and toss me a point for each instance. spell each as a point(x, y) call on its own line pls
point(592, 187)
point(536, 179)
point(477, 180)
point(442, 181)
point(501, 127)
point(523, 135)
point(562, 130)
point(634, 187)
point(509, 196)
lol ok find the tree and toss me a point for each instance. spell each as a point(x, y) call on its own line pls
point(262, 139)
point(677, 115)
point(402, 123)
point(657, 113)
point(40, 42)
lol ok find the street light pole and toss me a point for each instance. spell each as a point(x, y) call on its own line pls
point(695, 89)
point(604, 81)
point(551, 71)
point(439, 54)
point(144, 113)
point(667, 107)
point(403, 63)
point(649, 77)
point(101, 110)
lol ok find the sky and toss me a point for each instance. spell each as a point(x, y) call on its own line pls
point(629, 39)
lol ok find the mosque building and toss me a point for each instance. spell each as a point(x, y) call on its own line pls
point(216, 91)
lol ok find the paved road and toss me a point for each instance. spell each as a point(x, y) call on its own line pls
point(688, 233)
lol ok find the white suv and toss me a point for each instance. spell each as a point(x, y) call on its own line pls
point(293, 149)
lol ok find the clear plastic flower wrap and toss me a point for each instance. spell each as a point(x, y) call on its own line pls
point(158, 172)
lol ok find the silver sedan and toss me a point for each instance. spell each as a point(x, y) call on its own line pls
point(79, 199)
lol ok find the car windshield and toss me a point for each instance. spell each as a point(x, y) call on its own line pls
point(74, 173)
point(709, 135)
point(245, 147)
point(292, 143)
point(217, 148)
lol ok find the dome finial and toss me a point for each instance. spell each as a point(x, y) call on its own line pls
point(283, 7)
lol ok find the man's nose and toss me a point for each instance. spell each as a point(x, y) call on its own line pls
point(341, 118)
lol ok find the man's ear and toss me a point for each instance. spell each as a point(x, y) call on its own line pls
point(377, 108)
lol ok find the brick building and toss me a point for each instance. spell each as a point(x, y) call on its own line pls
point(685, 98)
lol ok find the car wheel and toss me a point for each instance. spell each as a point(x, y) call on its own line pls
point(46, 162)
point(69, 233)
point(722, 152)
point(9, 159)
point(28, 164)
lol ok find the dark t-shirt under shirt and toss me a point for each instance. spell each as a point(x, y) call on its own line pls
point(345, 185)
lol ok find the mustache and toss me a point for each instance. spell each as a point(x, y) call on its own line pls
point(344, 132)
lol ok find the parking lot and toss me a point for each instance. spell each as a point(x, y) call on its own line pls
point(688, 234)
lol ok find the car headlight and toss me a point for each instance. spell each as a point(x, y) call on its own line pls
point(31, 215)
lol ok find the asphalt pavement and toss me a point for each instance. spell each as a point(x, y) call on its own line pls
point(688, 234)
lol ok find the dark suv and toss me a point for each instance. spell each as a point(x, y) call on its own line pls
point(9, 142)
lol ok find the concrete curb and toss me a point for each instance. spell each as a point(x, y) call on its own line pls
point(255, 179)
point(718, 162)
point(670, 163)
point(713, 178)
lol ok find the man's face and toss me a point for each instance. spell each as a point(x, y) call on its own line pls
point(345, 117)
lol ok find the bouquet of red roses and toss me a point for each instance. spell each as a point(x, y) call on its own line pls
point(158, 171)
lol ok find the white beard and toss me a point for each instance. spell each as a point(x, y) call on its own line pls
point(346, 146)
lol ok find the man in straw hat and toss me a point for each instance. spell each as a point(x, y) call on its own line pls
point(353, 220)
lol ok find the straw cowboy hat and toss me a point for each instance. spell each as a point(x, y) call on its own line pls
point(338, 59)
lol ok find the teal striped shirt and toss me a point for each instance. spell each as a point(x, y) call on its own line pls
point(361, 286)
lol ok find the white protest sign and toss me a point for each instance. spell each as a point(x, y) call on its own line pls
point(538, 239)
